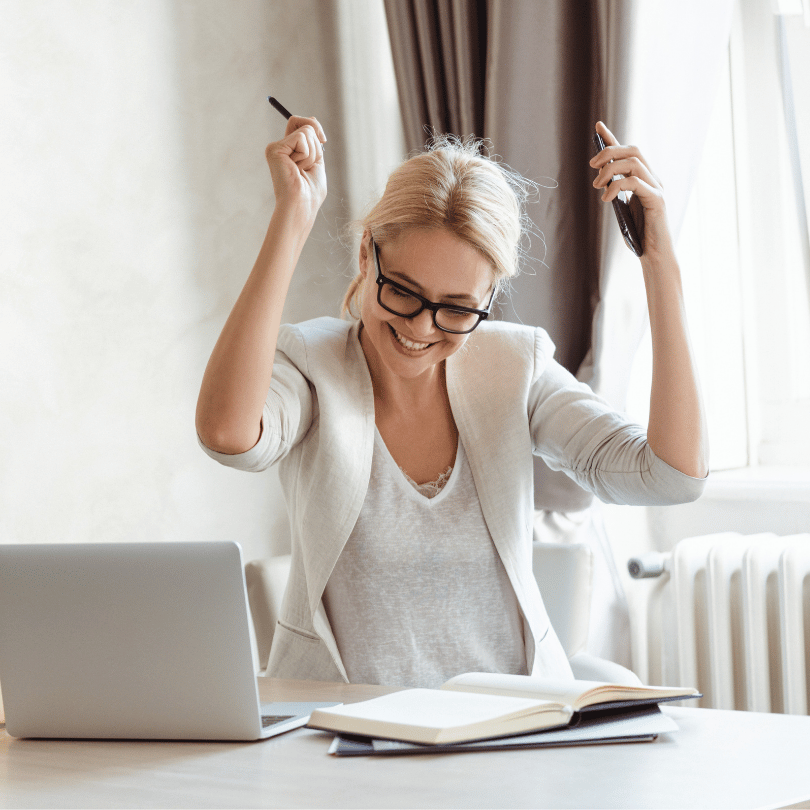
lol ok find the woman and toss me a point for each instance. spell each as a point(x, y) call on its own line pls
point(405, 437)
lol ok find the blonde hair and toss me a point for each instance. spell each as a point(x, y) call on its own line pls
point(453, 185)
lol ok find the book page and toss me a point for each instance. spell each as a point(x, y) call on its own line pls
point(566, 692)
point(574, 693)
point(432, 708)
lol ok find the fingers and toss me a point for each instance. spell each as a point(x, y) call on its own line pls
point(631, 166)
point(617, 159)
point(617, 152)
point(303, 146)
point(308, 148)
point(607, 136)
point(613, 149)
point(297, 121)
point(649, 196)
point(306, 136)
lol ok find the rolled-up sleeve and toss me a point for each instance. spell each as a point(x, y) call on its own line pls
point(576, 431)
point(286, 417)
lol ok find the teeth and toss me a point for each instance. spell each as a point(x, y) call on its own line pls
point(409, 344)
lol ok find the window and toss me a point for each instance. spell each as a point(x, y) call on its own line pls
point(744, 247)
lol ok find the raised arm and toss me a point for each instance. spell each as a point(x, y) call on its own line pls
point(238, 374)
point(677, 430)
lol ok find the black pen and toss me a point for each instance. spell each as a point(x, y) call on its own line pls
point(277, 105)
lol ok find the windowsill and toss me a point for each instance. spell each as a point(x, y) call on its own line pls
point(760, 484)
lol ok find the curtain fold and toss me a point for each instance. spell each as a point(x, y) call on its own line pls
point(542, 96)
point(439, 49)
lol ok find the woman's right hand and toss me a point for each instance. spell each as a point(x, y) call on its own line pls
point(296, 166)
point(239, 373)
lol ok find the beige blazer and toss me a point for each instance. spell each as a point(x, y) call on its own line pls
point(509, 399)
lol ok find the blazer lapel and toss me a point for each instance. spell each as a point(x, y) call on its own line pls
point(346, 445)
point(488, 382)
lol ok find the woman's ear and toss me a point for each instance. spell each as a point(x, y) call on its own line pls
point(365, 259)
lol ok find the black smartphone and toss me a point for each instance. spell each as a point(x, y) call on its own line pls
point(630, 216)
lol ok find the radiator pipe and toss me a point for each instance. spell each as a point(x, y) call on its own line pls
point(651, 564)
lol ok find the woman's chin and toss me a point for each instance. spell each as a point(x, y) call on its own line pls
point(402, 361)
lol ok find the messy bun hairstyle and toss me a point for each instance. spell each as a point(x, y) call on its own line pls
point(453, 185)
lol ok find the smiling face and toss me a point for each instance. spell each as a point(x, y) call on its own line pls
point(437, 265)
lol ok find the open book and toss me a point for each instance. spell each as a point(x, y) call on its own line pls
point(479, 705)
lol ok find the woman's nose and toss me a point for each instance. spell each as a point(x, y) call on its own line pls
point(423, 324)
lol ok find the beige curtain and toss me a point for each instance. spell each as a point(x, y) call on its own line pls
point(439, 49)
point(543, 94)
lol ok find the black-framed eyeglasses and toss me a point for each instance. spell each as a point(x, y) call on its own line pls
point(399, 300)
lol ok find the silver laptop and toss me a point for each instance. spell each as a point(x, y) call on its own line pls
point(132, 641)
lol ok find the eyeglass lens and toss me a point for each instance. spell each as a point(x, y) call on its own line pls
point(403, 304)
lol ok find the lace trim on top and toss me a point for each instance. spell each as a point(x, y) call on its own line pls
point(432, 488)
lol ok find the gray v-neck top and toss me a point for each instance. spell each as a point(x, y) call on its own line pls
point(419, 593)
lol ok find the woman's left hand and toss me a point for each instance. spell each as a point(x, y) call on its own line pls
point(639, 179)
point(677, 431)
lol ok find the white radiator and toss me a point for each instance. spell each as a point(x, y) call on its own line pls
point(730, 614)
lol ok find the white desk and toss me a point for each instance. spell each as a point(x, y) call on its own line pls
point(717, 759)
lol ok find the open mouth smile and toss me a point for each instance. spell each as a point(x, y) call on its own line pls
point(408, 344)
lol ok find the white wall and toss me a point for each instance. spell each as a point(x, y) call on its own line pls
point(134, 199)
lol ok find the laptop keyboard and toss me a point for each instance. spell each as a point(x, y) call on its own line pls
point(272, 719)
